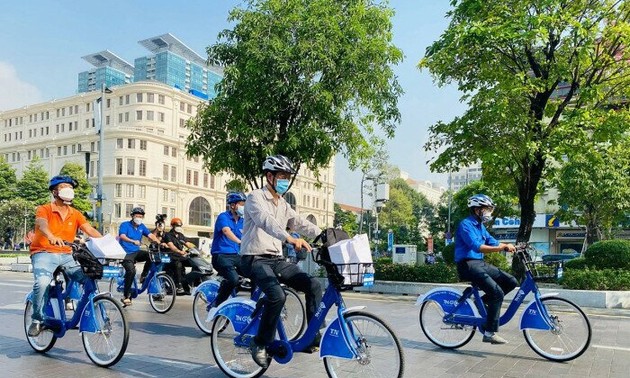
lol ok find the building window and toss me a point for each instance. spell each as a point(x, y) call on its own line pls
point(161, 99)
point(142, 191)
point(128, 208)
point(107, 120)
point(142, 167)
point(161, 116)
point(138, 115)
point(119, 143)
point(173, 174)
point(166, 150)
point(211, 182)
point(182, 122)
point(130, 191)
point(65, 150)
point(205, 180)
point(188, 176)
point(126, 116)
point(290, 198)
point(120, 100)
point(109, 103)
point(119, 166)
point(182, 106)
point(189, 108)
point(199, 212)
point(131, 143)
point(117, 210)
point(74, 149)
point(196, 178)
point(174, 152)
point(150, 115)
point(165, 195)
point(120, 118)
point(131, 167)
point(165, 172)
point(151, 97)
point(87, 109)
point(118, 191)
point(143, 145)
point(138, 97)
point(127, 100)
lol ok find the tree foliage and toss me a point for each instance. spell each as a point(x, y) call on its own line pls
point(17, 213)
point(82, 193)
point(347, 220)
point(539, 77)
point(304, 78)
point(8, 180)
point(33, 186)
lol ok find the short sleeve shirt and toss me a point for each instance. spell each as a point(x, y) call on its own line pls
point(64, 228)
point(471, 235)
point(220, 242)
point(134, 233)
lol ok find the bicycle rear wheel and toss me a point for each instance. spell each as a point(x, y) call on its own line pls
point(234, 361)
point(293, 315)
point(42, 342)
point(444, 335)
point(380, 353)
point(570, 335)
point(165, 299)
point(200, 312)
point(106, 346)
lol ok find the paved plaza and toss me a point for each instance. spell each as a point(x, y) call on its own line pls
point(171, 345)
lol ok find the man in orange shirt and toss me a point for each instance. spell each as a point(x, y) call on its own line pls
point(55, 224)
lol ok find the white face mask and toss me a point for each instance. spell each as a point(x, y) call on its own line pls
point(137, 221)
point(179, 229)
point(66, 194)
point(486, 216)
point(240, 210)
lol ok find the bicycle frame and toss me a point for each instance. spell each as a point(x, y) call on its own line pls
point(149, 284)
point(55, 309)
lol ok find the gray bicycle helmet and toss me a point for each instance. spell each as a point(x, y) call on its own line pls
point(278, 163)
point(480, 200)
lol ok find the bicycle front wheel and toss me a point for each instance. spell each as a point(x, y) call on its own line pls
point(380, 353)
point(46, 338)
point(165, 299)
point(570, 335)
point(293, 315)
point(108, 344)
point(444, 335)
point(233, 360)
point(200, 312)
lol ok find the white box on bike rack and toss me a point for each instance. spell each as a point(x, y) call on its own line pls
point(353, 258)
point(106, 247)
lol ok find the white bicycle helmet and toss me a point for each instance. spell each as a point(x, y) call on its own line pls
point(480, 200)
point(278, 163)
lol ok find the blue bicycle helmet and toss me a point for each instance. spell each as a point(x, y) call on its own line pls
point(234, 197)
point(480, 200)
point(62, 179)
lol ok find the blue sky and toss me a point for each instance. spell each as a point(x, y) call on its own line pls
point(43, 42)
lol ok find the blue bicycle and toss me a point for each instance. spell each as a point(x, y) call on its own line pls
point(159, 285)
point(554, 327)
point(355, 344)
point(102, 323)
point(293, 315)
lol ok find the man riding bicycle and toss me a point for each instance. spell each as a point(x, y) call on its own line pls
point(176, 242)
point(226, 243)
point(130, 235)
point(55, 224)
point(267, 215)
point(472, 242)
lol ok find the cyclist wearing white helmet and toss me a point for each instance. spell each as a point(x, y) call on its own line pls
point(472, 241)
point(267, 216)
point(226, 243)
point(130, 235)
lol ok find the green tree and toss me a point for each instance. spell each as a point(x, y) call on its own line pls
point(33, 186)
point(82, 193)
point(236, 185)
point(536, 75)
point(594, 189)
point(18, 214)
point(307, 79)
point(8, 180)
point(346, 219)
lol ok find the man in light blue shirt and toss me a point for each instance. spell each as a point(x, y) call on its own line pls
point(472, 242)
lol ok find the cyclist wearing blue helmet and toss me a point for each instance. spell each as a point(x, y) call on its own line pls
point(55, 224)
point(472, 242)
point(226, 244)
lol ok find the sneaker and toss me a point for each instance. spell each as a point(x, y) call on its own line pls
point(259, 354)
point(180, 291)
point(494, 339)
point(35, 329)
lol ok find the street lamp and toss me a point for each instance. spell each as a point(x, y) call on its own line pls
point(101, 139)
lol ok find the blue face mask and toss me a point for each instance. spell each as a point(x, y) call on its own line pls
point(282, 185)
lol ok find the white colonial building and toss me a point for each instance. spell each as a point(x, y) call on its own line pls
point(143, 155)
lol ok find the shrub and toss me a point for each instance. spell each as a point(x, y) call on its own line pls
point(609, 254)
point(577, 263)
point(448, 254)
point(498, 260)
point(587, 279)
point(439, 273)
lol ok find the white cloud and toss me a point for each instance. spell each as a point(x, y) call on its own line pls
point(14, 92)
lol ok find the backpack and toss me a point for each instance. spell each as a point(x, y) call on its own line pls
point(329, 237)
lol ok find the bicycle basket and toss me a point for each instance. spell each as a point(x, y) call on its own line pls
point(355, 274)
point(90, 265)
point(545, 271)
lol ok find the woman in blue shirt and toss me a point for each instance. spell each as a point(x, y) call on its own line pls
point(472, 241)
point(226, 243)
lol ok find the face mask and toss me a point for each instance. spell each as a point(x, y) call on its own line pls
point(160, 228)
point(66, 194)
point(240, 211)
point(137, 221)
point(179, 229)
point(486, 216)
point(282, 185)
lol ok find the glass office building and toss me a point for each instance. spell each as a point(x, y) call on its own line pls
point(110, 70)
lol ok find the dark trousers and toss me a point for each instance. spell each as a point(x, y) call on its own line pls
point(129, 263)
point(267, 273)
point(494, 282)
point(176, 268)
point(225, 265)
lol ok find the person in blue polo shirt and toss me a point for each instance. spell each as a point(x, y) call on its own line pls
point(130, 235)
point(226, 244)
point(472, 242)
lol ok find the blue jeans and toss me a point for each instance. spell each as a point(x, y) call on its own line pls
point(44, 265)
